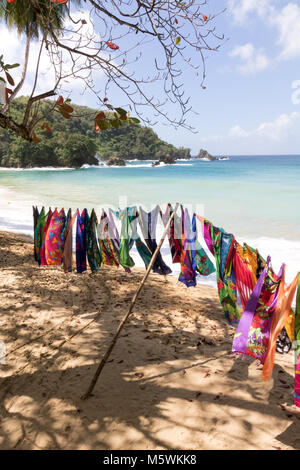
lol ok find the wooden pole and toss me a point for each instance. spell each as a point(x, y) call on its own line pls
point(125, 318)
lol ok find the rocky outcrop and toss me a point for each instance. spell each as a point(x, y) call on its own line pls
point(167, 159)
point(205, 155)
point(116, 161)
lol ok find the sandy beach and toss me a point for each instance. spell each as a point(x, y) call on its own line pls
point(170, 383)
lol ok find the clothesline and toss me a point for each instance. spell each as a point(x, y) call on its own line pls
point(253, 297)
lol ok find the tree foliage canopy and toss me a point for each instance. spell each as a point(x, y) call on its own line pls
point(73, 142)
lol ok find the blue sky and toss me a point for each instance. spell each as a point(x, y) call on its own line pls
point(251, 104)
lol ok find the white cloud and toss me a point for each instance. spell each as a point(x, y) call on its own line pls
point(285, 21)
point(253, 61)
point(267, 138)
point(241, 9)
point(278, 130)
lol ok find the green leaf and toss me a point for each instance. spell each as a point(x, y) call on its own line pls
point(103, 125)
point(121, 111)
point(178, 39)
point(115, 123)
point(12, 66)
point(137, 121)
point(2, 80)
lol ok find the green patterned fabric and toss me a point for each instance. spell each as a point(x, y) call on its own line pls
point(93, 250)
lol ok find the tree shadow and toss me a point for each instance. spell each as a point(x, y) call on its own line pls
point(165, 375)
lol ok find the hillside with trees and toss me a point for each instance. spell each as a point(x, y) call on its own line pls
point(74, 142)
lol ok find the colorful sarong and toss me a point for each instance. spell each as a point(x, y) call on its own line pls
point(93, 250)
point(109, 253)
point(43, 246)
point(174, 233)
point(253, 331)
point(187, 261)
point(54, 239)
point(148, 223)
point(39, 235)
point(223, 249)
point(297, 347)
point(68, 241)
point(81, 241)
point(204, 265)
point(282, 311)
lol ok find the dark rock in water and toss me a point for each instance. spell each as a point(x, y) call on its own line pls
point(167, 159)
point(116, 161)
point(205, 155)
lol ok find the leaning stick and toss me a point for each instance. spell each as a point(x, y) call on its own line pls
point(125, 318)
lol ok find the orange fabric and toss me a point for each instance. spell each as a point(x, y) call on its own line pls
point(290, 325)
point(282, 311)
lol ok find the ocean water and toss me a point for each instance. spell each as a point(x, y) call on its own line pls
point(256, 198)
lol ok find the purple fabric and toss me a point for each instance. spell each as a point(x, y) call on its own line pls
point(242, 331)
point(207, 235)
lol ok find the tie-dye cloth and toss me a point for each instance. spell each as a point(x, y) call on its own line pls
point(187, 261)
point(109, 253)
point(54, 241)
point(223, 249)
point(45, 229)
point(253, 331)
point(81, 241)
point(204, 265)
point(39, 235)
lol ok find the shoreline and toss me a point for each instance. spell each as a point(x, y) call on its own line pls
point(171, 381)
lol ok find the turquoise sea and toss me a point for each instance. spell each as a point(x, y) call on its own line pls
point(255, 197)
